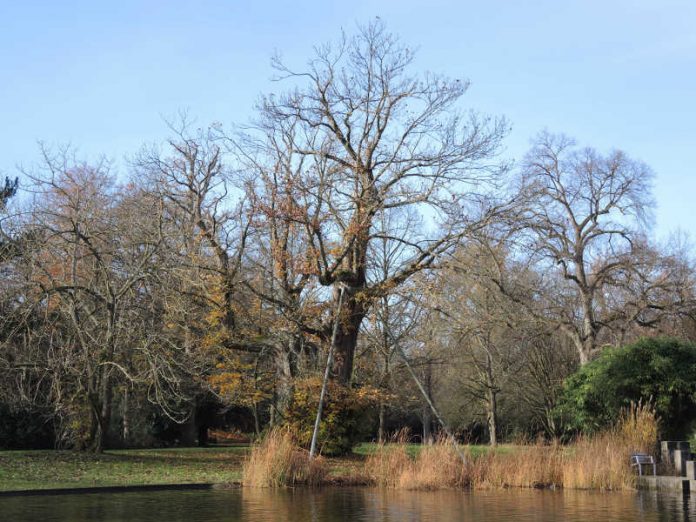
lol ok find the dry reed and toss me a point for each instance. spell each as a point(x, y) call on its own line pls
point(601, 461)
point(436, 466)
point(385, 466)
point(277, 461)
point(533, 466)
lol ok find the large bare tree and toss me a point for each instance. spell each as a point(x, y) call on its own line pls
point(87, 272)
point(364, 137)
point(585, 217)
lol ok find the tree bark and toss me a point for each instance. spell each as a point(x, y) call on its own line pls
point(125, 433)
point(347, 339)
point(285, 375)
point(427, 425)
point(492, 414)
point(492, 401)
point(380, 428)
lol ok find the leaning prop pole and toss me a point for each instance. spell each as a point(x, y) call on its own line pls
point(327, 372)
point(430, 403)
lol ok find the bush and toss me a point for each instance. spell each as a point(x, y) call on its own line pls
point(659, 371)
point(348, 415)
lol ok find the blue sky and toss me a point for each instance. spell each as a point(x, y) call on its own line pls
point(102, 75)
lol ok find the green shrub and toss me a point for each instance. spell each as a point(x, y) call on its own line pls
point(657, 370)
point(348, 415)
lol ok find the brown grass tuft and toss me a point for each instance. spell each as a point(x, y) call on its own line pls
point(533, 466)
point(387, 463)
point(278, 462)
point(601, 461)
point(436, 466)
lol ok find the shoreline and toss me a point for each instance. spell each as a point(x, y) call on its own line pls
point(50, 472)
point(643, 484)
point(109, 489)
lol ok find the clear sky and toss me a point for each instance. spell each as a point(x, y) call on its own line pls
point(102, 75)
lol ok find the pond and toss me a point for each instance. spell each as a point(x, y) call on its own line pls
point(355, 504)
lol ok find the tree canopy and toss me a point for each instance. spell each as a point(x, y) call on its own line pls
point(660, 371)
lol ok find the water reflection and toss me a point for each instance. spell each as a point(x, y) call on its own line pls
point(512, 505)
point(359, 504)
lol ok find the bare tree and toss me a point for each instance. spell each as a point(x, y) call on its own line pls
point(89, 266)
point(483, 331)
point(206, 224)
point(651, 296)
point(584, 217)
point(291, 318)
point(549, 360)
point(365, 137)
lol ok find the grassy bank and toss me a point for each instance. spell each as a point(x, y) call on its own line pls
point(66, 469)
point(407, 466)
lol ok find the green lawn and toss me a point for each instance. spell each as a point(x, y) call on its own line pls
point(367, 448)
point(68, 469)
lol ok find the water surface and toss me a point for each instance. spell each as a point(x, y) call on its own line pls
point(355, 504)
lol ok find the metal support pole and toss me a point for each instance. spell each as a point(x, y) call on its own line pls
point(327, 372)
point(430, 403)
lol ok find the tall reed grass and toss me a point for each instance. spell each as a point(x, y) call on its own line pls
point(277, 461)
point(530, 466)
point(601, 461)
point(436, 466)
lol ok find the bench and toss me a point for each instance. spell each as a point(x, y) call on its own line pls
point(641, 459)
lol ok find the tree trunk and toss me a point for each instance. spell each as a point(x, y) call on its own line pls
point(588, 343)
point(352, 316)
point(107, 402)
point(255, 413)
point(585, 349)
point(492, 413)
point(284, 380)
point(189, 430)
point(125, 433)
point(99, 440)
point(427, 425)
point(491, 401)
point(380, 428)
point(90, 443)
point(272, 412)
point(102, 413)
point(427, 412)
point(584, 345)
